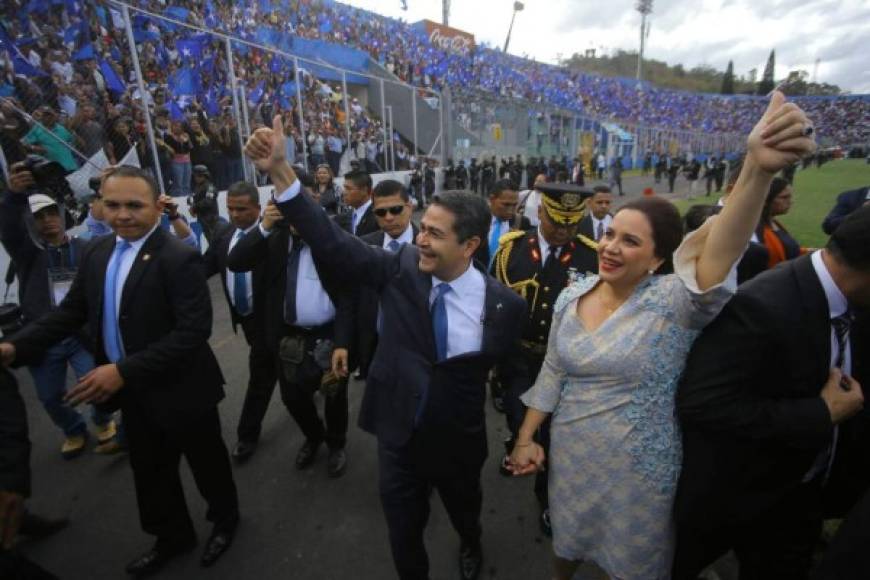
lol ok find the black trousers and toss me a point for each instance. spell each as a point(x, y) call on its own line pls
point(261, 382)
point(298, 397)
point(777, 544)
point(156, 449)
point(515, 411)
point(408, 475)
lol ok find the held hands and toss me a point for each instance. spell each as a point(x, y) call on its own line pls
point(339, 362)
point(527, 458)
point(781, 136)
point(97, 386)
point(842, 395)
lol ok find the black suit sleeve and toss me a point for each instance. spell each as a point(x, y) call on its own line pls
point(14, 444)
point(723, 388)
point(13, 231)
point(346, 257)
point(847, 202)
point(188, 295)
point(248, 252)
point(211, 260)
point(69, 317)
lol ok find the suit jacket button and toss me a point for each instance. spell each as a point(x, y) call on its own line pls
point(543, 322)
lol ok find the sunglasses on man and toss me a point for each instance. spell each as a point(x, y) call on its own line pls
point(395, 210)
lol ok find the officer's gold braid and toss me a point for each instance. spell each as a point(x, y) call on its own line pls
point(502, 257)
point(587, 242)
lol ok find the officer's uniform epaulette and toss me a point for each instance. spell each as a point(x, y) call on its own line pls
point(510, 236)
point(587, 242)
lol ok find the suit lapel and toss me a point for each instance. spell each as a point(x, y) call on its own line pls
point(140, 265)
point(817, 313)
point(101, 264)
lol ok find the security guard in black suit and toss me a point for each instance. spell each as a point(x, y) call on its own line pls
point(538, 264)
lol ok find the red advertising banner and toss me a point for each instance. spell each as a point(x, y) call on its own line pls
point(449, 39)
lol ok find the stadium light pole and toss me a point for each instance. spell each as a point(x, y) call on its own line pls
point(518, 7)
point(445, 12)
point(645, 8)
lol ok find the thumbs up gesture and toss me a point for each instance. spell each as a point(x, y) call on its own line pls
point(783, 136)
point(266, 146)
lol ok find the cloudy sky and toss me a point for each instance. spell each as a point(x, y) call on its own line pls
point(698, 32)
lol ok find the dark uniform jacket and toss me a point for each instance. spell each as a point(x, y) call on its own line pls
point(14, 444)
point(519, 265)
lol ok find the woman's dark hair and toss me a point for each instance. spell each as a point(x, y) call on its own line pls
point(471, 215)
point(697, 215)
point(777, 186)
point(667, 227)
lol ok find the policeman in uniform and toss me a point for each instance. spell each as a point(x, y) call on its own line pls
point(538, 264)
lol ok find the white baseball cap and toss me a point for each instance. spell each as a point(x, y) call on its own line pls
point(40, 201)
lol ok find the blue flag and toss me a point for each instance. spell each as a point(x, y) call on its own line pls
point(175, 112)
point(113, 81)
point(184, 82)
point(189, 48)
point(275, 65)
point(177, 13)
point(288, 89)
point(20, 64)
point(211, 103)
point(256, 95)
point(86, 52)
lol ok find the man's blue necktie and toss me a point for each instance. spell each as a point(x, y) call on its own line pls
point(438, 310)
point(493, 241)
point(292, 278)
point(439, 319)
point(111, 332)
point(240, 287)
point(394, 246)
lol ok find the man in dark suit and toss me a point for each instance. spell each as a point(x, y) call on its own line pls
point(847, 202)
point(537, 265)
point(503, 202)
point(358, 196)
point(307, 316)
point(143, 297)
point(765, 406)
point(445, 323)
point(597, 218)
point(14, 482)
point(393, 210)
point(245, 294)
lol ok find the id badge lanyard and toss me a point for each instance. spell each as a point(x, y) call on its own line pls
point(60, 277)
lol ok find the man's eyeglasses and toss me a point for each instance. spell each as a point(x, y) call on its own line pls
point(395, 210)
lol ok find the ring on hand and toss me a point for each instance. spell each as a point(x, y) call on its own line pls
point(808, 129)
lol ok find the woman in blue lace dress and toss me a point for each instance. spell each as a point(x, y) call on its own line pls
point(617, 347)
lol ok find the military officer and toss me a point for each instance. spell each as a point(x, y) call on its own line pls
point(538, 264)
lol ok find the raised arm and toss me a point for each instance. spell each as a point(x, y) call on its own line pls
point(346, 257)
point(778, 140)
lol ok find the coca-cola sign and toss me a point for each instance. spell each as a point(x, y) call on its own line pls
point(449, 39)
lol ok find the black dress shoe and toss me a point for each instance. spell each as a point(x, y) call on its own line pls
point(470, 561)
point(337, 464)
point(244, 450)
point(37, 527)
point(305, 457)
point(219, 542)
point(153, 560)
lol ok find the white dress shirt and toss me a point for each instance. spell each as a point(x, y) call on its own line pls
point(231, 276)
point(606, 221)
point(837, 306)
point(465, 303)
point(406, 237)
point(545, 248)
point(313, 305)
point(358, 214)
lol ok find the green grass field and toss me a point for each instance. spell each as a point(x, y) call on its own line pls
point(815, 191)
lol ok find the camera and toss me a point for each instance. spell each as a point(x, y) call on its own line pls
point(45, 173)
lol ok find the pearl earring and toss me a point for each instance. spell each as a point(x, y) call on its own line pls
point(651, 272)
